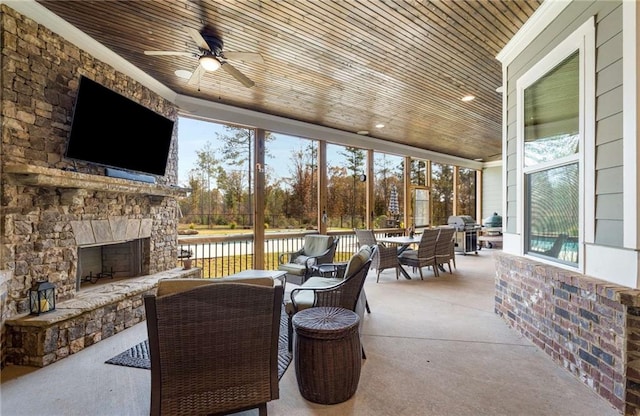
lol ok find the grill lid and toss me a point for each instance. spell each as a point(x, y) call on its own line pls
point(461, 222)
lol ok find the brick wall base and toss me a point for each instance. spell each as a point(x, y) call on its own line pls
point(588, 326)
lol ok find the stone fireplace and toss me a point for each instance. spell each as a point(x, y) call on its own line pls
point(62, 219)
point(120, 233)
point(113, 248)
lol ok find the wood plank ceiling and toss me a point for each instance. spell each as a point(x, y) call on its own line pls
point(345, 64)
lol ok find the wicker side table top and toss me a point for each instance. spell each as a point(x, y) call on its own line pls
point(325, 322)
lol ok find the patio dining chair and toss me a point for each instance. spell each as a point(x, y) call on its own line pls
point(384, 257)
point(425, 255)
point(445, 248)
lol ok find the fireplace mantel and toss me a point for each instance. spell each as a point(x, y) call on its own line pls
point(57, 178)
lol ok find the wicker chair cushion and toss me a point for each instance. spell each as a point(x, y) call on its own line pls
point(315, 245)
point(169, 286)
point(357, 260)
point(293, 268)
point(305, 298)
point(409, 254)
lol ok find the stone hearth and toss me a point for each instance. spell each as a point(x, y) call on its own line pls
point(91, 316)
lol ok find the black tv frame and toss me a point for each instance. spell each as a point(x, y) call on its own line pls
point(111, 130)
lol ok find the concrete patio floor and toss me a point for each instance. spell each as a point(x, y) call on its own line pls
point(434, 347)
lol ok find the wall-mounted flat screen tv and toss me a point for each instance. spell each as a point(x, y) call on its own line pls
point(111, 130)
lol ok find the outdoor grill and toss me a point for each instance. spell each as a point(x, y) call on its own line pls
point(466, 233)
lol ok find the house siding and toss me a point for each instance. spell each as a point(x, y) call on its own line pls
point(608, 16)
point(491, 191)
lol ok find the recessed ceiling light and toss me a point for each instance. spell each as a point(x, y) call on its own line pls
point(363, 132)
point(183, 73)
point(468, 98)
point(478, 159)
point(379, 125)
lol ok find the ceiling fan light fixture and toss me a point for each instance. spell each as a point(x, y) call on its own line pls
point(209, 63)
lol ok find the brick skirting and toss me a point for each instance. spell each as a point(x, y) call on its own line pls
point(588, 326)
point(93, 315)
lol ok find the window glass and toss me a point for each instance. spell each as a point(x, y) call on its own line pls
point(553, 206)
point(466, 193)
point(551, 157)
point(551, 119)
point(388, 190)
point(441, 193)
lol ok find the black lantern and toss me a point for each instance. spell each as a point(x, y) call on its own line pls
point(42, 297)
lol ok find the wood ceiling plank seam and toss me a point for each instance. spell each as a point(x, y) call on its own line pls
point(310, 59)
point(527, 8)
point(489, 36)
point(439, 31)
point(427, 54)
point(475, 60)
point(95, 25)
point(457, 59)
point(438, 75)
point(464, 18)
point(510, 24)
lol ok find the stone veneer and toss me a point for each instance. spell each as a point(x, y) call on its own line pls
point(588, 326)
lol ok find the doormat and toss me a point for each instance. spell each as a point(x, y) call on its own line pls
point(138, 355)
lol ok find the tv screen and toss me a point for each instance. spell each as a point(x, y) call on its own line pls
point(111, 130)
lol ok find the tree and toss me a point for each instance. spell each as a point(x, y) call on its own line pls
point(238, 150)
point(441, 193)
point(205, 171)
point(303, 184)
point(355, 165)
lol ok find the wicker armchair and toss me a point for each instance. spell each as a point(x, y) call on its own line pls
point(344, 293)
point(214, 348)
point(425, 255)
point(316, 249)
point(384, 257)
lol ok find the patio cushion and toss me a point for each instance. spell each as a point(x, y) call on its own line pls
point(293, 268)
point(305, 298)
point(315, 245)
point(169, 286)
point(357, 260)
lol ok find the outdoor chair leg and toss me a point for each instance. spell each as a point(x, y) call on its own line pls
point(290, 332)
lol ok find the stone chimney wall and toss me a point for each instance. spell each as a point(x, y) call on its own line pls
point(40, 78)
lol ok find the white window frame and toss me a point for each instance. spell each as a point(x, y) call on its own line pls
point(583, 41)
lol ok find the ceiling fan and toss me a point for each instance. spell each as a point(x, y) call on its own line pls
point(211, 57)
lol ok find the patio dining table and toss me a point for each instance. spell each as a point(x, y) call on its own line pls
point(403, 243)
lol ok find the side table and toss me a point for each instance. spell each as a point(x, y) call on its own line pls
point(329, 269)
point(327, 354)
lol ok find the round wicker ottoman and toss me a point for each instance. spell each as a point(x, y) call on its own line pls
point(327, 354)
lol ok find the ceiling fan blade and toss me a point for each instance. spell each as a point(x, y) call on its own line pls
point(196, 76)
point(237, 75)
point(244, 56)
point(169, 53)
point(198, 39)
